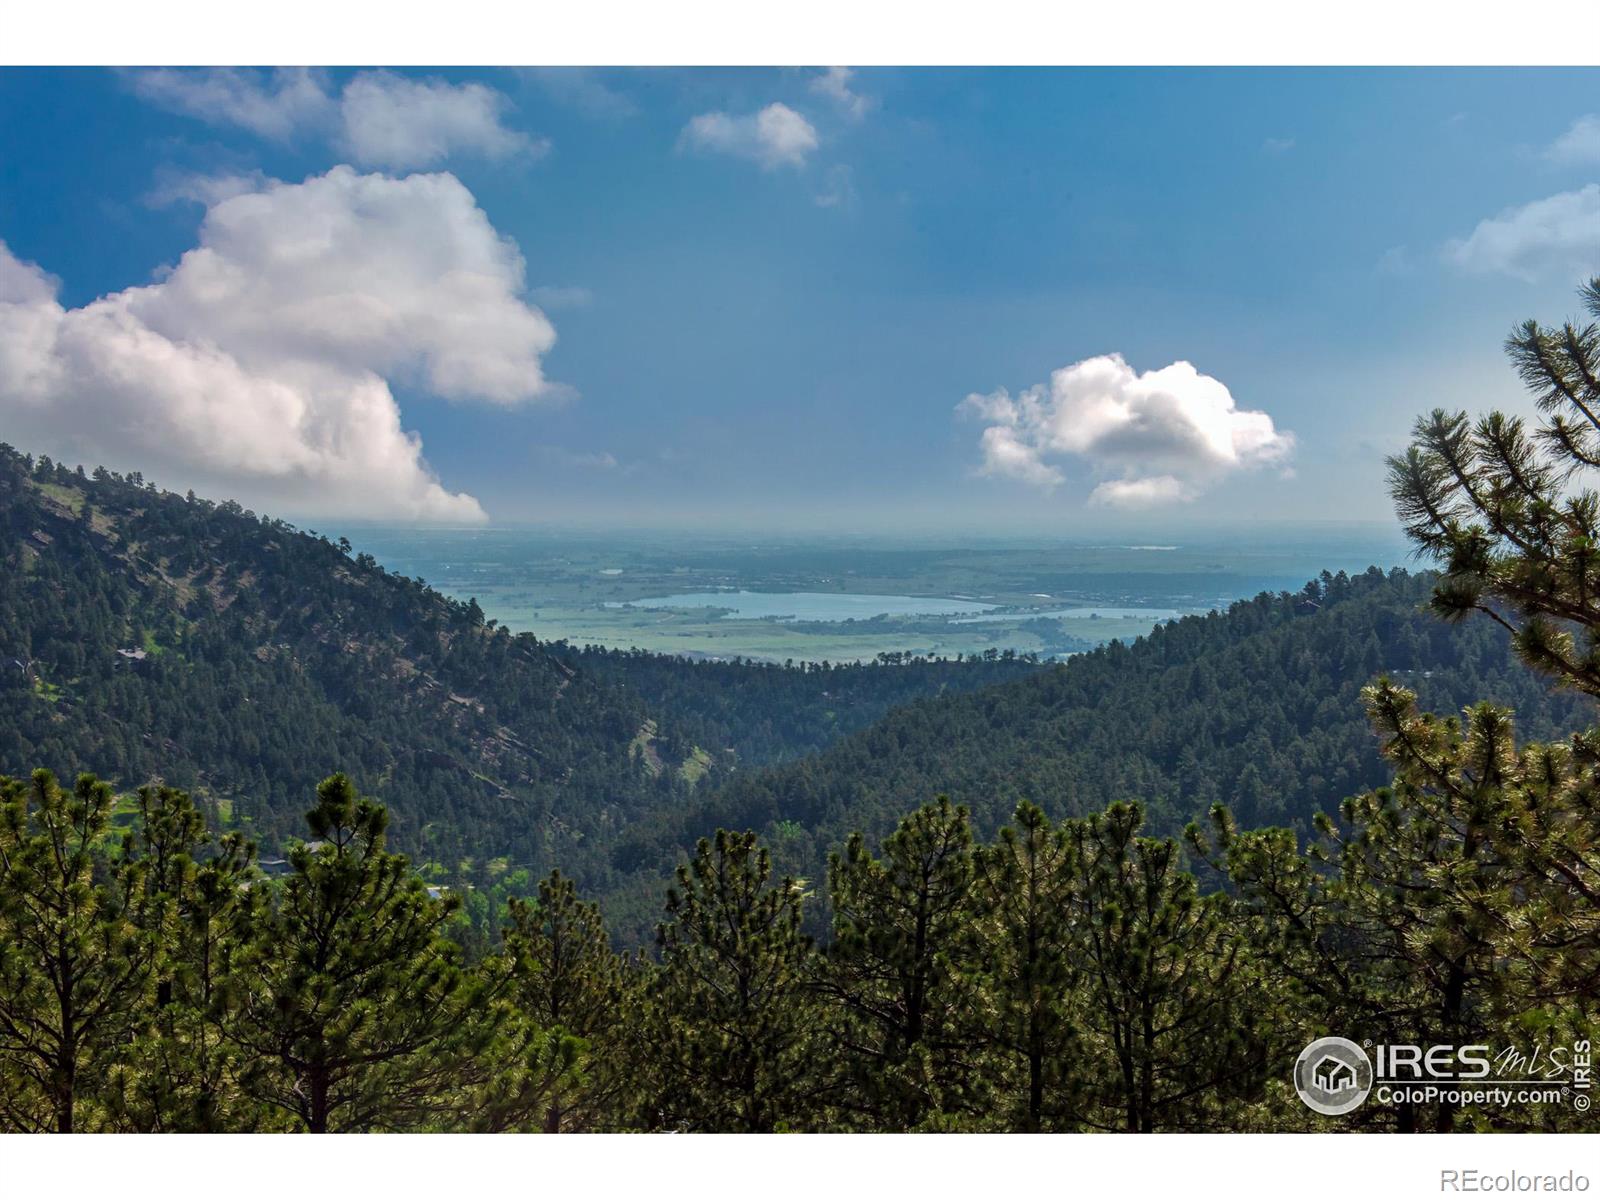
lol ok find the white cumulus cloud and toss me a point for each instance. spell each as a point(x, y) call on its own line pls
point(259, 366)
point(1559, 234)
point(776, 136)
point(1154, 438)
point(379, 118)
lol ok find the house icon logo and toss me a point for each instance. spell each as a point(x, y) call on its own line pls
point(1333, 1076)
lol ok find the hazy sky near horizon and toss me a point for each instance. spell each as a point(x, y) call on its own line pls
point(977, 300)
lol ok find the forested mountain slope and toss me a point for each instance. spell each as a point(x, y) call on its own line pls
point(1257, 707)
point(764, 713)
point(147, 635)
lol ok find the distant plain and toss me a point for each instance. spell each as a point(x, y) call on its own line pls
point(692, 595)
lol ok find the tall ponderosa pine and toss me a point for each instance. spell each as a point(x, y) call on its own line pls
point(1171, 1002)
point(898, 919)
point(1513, 518)
point(1481, 852)
point(358, 1015)
point(76, 966)
point(1448, 909)
point(730, 1027)
point(1508, 512)
point(1022, 967)
point(565, 979)
point(200, 899)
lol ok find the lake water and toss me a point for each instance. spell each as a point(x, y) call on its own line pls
point(811, 606)
point(1153, 614)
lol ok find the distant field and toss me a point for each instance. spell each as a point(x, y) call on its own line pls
point(693, 631)
point(559, 587)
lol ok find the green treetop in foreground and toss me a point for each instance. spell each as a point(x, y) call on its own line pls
point(1514, 519)
point(354, 1011)
point(1510, 512)
point(77, 955)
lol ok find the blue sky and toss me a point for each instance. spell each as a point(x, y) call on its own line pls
point(770, 291)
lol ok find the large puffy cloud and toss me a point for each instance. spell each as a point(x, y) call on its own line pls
point(776, 136)
point(1560, 233)
point(379, 119)
point(258, 366)
point(1154, 438)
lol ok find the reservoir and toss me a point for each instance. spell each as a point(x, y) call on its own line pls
point(810, 606)
point(1104, 612)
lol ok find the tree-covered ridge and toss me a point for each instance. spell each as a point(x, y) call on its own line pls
point(152, 635)
point(1257, 707)
point(763, 713)
point(145, 635)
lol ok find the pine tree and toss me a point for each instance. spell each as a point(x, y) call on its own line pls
point(565, 978)
point(1171, 1001)
point(1487, 856)
point(729, 1024)
point(75, 964)
point(1513, 519)
point(1509, 514)
point(358, 1015)
point(1025, 976)
point(519, 1073)
point(897, 921)
point(1454, 908)
point(199, 898)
